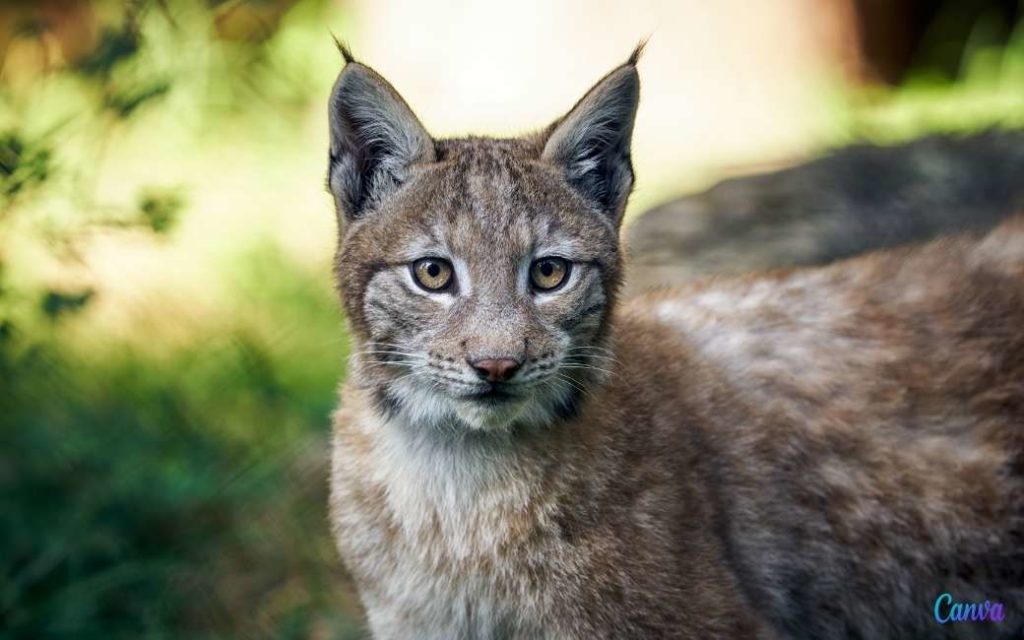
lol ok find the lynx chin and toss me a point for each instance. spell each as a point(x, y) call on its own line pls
point(518, 454)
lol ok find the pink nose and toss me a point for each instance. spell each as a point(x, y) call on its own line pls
point(495, 369)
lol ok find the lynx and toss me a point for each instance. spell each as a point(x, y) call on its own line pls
point(815, 453)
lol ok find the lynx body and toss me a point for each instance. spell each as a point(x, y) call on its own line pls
point(808, 454)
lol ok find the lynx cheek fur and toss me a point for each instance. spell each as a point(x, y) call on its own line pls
point(808, 454)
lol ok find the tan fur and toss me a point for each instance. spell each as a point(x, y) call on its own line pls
point(815, 453)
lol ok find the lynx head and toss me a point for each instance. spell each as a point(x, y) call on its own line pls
point(478, 274)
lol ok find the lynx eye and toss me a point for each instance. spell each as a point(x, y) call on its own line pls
point(433, 274)
point(547, 274)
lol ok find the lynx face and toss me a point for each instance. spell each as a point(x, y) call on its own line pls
point(478, 274)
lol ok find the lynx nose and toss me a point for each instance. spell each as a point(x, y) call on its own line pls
point(495, 369)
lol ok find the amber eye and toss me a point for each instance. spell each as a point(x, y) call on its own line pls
point(433, 274)
point(548, 274)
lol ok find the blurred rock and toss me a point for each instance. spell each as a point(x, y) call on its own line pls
point(853, 200)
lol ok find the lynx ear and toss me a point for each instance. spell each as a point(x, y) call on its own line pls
point(375, 138)
point(592, 142)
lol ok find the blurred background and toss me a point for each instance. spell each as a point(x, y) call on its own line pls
point(170, 342)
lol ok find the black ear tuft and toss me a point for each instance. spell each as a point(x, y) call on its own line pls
point(592, 142)
point(343, 49)
point(375, 139)
point(637, 52)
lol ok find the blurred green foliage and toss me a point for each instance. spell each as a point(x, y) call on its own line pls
point(159, 485)
point(22, 165)
point(173, 496)
point(985, 90)
point(160, 210)
point(180, 500)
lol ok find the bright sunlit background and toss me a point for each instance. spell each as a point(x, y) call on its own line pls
point(169, 338)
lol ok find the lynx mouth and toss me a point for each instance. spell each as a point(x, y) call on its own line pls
point(492, 396)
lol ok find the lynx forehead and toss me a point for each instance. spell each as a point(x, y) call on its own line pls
point(477, 272)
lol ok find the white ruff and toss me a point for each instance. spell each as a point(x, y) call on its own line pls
point(456, 490)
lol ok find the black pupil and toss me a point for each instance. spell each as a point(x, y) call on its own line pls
point(547, 268)
point(433, 269)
